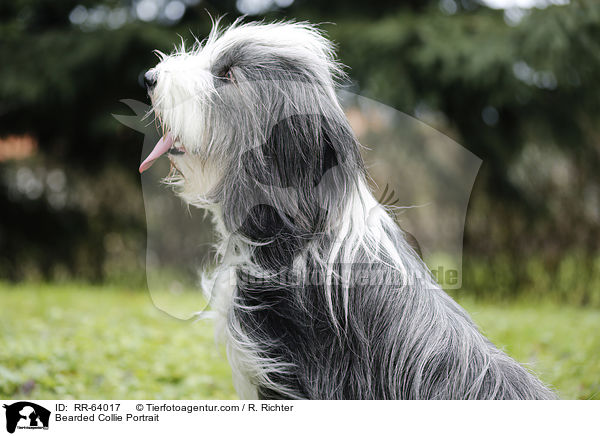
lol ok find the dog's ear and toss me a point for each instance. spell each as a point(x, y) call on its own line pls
point(286, 191)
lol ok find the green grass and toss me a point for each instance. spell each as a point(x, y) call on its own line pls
point(84, 342)
point(96, 343)
point(561, 344)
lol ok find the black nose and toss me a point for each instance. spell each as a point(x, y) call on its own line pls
point(150, 79)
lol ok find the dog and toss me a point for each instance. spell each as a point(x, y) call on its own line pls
point(319, 294)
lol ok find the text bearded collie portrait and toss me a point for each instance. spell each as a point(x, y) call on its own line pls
point(329, 299)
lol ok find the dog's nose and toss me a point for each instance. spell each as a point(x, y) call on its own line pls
point(150, 79)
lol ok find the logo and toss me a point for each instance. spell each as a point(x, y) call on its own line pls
point(428, 179)
point(26, 415)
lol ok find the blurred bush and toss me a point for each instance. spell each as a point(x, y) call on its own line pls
point(572, 279)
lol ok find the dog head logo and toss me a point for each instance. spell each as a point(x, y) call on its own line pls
point(277, 149)
point(26, 415)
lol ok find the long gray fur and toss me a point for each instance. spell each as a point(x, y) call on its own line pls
point(328, 299)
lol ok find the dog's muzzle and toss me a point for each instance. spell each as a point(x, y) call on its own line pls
point(150, 79)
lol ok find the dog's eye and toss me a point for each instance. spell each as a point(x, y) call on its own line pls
point(227, 76)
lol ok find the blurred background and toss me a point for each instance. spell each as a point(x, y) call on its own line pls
point(515, 82)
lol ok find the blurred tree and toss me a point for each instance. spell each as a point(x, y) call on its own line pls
point(520, 94)
point(60, 82)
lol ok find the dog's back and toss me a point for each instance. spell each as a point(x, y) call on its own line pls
point(368, 322)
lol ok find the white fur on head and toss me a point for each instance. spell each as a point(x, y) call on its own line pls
point(222, 96)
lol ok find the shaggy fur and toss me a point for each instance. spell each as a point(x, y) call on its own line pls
point(319, 294)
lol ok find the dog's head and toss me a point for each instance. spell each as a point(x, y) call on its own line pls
point(251, 117)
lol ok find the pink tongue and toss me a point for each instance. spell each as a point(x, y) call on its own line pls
point(160, 148)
